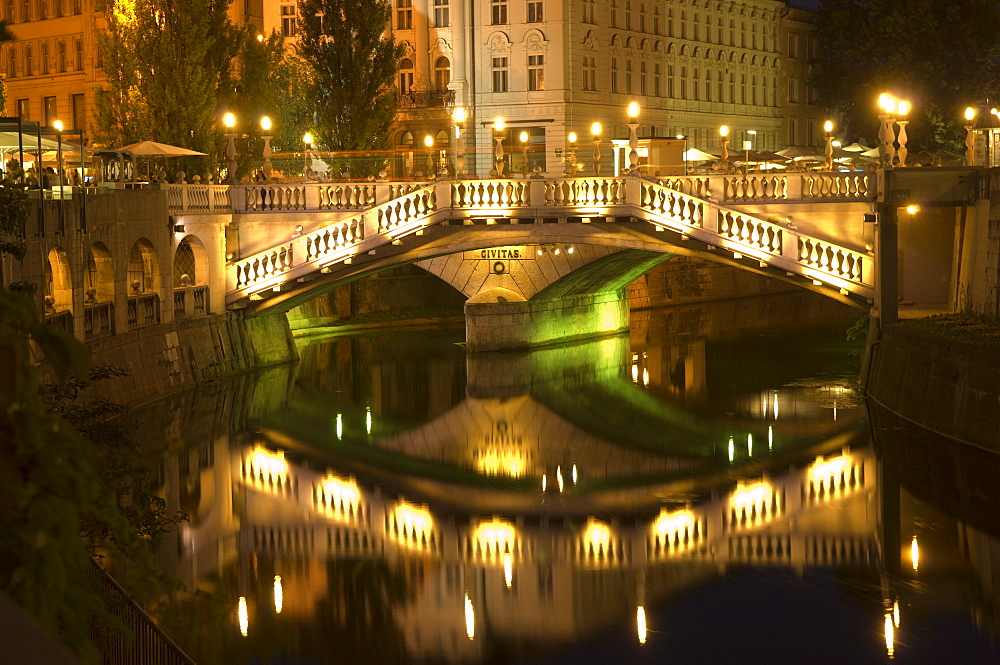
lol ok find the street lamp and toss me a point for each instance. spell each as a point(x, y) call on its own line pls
point(498, 126)
point(828, 128)
point(595, 130)
point(429, 144)
point(307, 139)
point(970, 138)
point(747, 146)
point(571, 154)
point(633, 138)
point(265, 125)
point(886, 132)
point(229, 120)
point(724, 140)
point(59, 156)
point(458, 115)
point(524, 153)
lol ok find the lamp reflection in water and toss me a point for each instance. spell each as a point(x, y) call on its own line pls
point(279, 595)
point(890, 635)
point(508, 570)
point(640, 623)
point(241, 613)
point(915, 553)
point(470, 618)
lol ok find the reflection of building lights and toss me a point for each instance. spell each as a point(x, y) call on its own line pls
point(266, 470)
point(676, 532)
point(340, 427)
point(544, 482)
point(241, 612)
point(915, 553)
point(411, 525)
point(748, 495)
point(754, 504)
point(278, 594)
point(574, 474)
point(495, 538)
point(645, 376)
point(272, 463)
point(470, 618)
point(824, 469)
point(597, 535)
point(640, 623)
point(732, 449)
point(501, 461)
point(635, 373)
point(750, 445)
point(770, 437)
point(677, 521)
point(368, 420)
point(890, 637)
point(775, 408)
point(508, 570)
point(559, 478)
point(895, 614)
point(338, 497)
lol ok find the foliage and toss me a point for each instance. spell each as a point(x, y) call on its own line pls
point(293, 112)
point(902, 47)
point(14, 206)
point(5, 36)
point(353, 64)
point(168, 65)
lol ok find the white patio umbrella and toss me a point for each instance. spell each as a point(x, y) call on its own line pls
point(801, 154)
point(695, 155)
point(154, 149)
point(855, 147)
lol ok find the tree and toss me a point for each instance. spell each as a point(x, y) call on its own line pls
point(5, 36)
point(168, 65)
point(904, 47)
point(353, 65)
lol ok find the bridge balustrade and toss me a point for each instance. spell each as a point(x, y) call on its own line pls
point(62, 320)
point(190, 301)
point(143, 310)
point(98, 320)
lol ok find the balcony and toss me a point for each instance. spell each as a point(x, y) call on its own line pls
point(424, 99)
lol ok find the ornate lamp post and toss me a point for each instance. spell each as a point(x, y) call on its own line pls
point(429, 144)
point(595, 130)
point(970, 137)
point(58, 124)
point(265, 125)
point(886, 133)
point(828, 128)
point(458, 115)
point(633, 138)
point(229, 120)
point(902, 108)
point(307, 161)
point(524, 153)
point(571, 154)
point(724, 142)
point(747, 147)
point(498, 126)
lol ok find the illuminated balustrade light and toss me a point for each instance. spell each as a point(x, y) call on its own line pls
point(338, 498)
point(502, 460)
point(890, 635)
point(470, 618)
point(640, 623)
point(493, 539)
point(411, 526)
point(597, 546)
point(508, 570)
point(677, 531)
point(833, 478)
point(267, 471)
point(753, 505)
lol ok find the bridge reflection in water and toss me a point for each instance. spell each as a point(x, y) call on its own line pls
point(397, 501)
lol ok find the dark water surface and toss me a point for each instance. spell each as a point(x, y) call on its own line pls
point(704, 490)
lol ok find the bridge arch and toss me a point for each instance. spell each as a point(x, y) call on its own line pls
point(99, 279)
point(143, 273)
point(190, 260)
point(58, 281)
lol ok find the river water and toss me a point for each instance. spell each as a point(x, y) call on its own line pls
point(706, 489)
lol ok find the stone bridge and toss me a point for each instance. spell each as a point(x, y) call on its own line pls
point(537, 259)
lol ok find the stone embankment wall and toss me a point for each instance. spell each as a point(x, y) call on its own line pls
point(942, 385)
point(168, 358)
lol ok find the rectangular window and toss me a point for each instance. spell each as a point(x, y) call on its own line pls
point(24, 109)
point(26, 10)
point(78, 47)
point(499, 13)
point(670, 81)
point(793, 91)
point(614, 13)
point(657, 87)
point(628, 14)
point(77, 6)
point(683, 83)
point(45, 57)
point(793, 131)
point(696, 85)
point(642, 77)
point(536, 72)
point(614, 74)
point(535, 11)
point(628, 77)
point(656, 20)
point(500, 69)
point(442, 13)
point(12, 63)
point(51, 110)
point(79, 111)
point(793, 46)
point(642, 17)
point(288, 20)
point(811, 133)
point(9, 8)
point(29, 61)
point(61, 56)
point(589, 73)
point(589, 12)
point(43, 10)
point(404, 14)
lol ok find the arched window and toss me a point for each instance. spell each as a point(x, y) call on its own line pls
point(405, 76)
point(442, 73)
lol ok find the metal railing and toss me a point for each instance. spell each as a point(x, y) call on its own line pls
point(142, 643)
point(190, 301)
point(143, 310)
point(98, 320)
